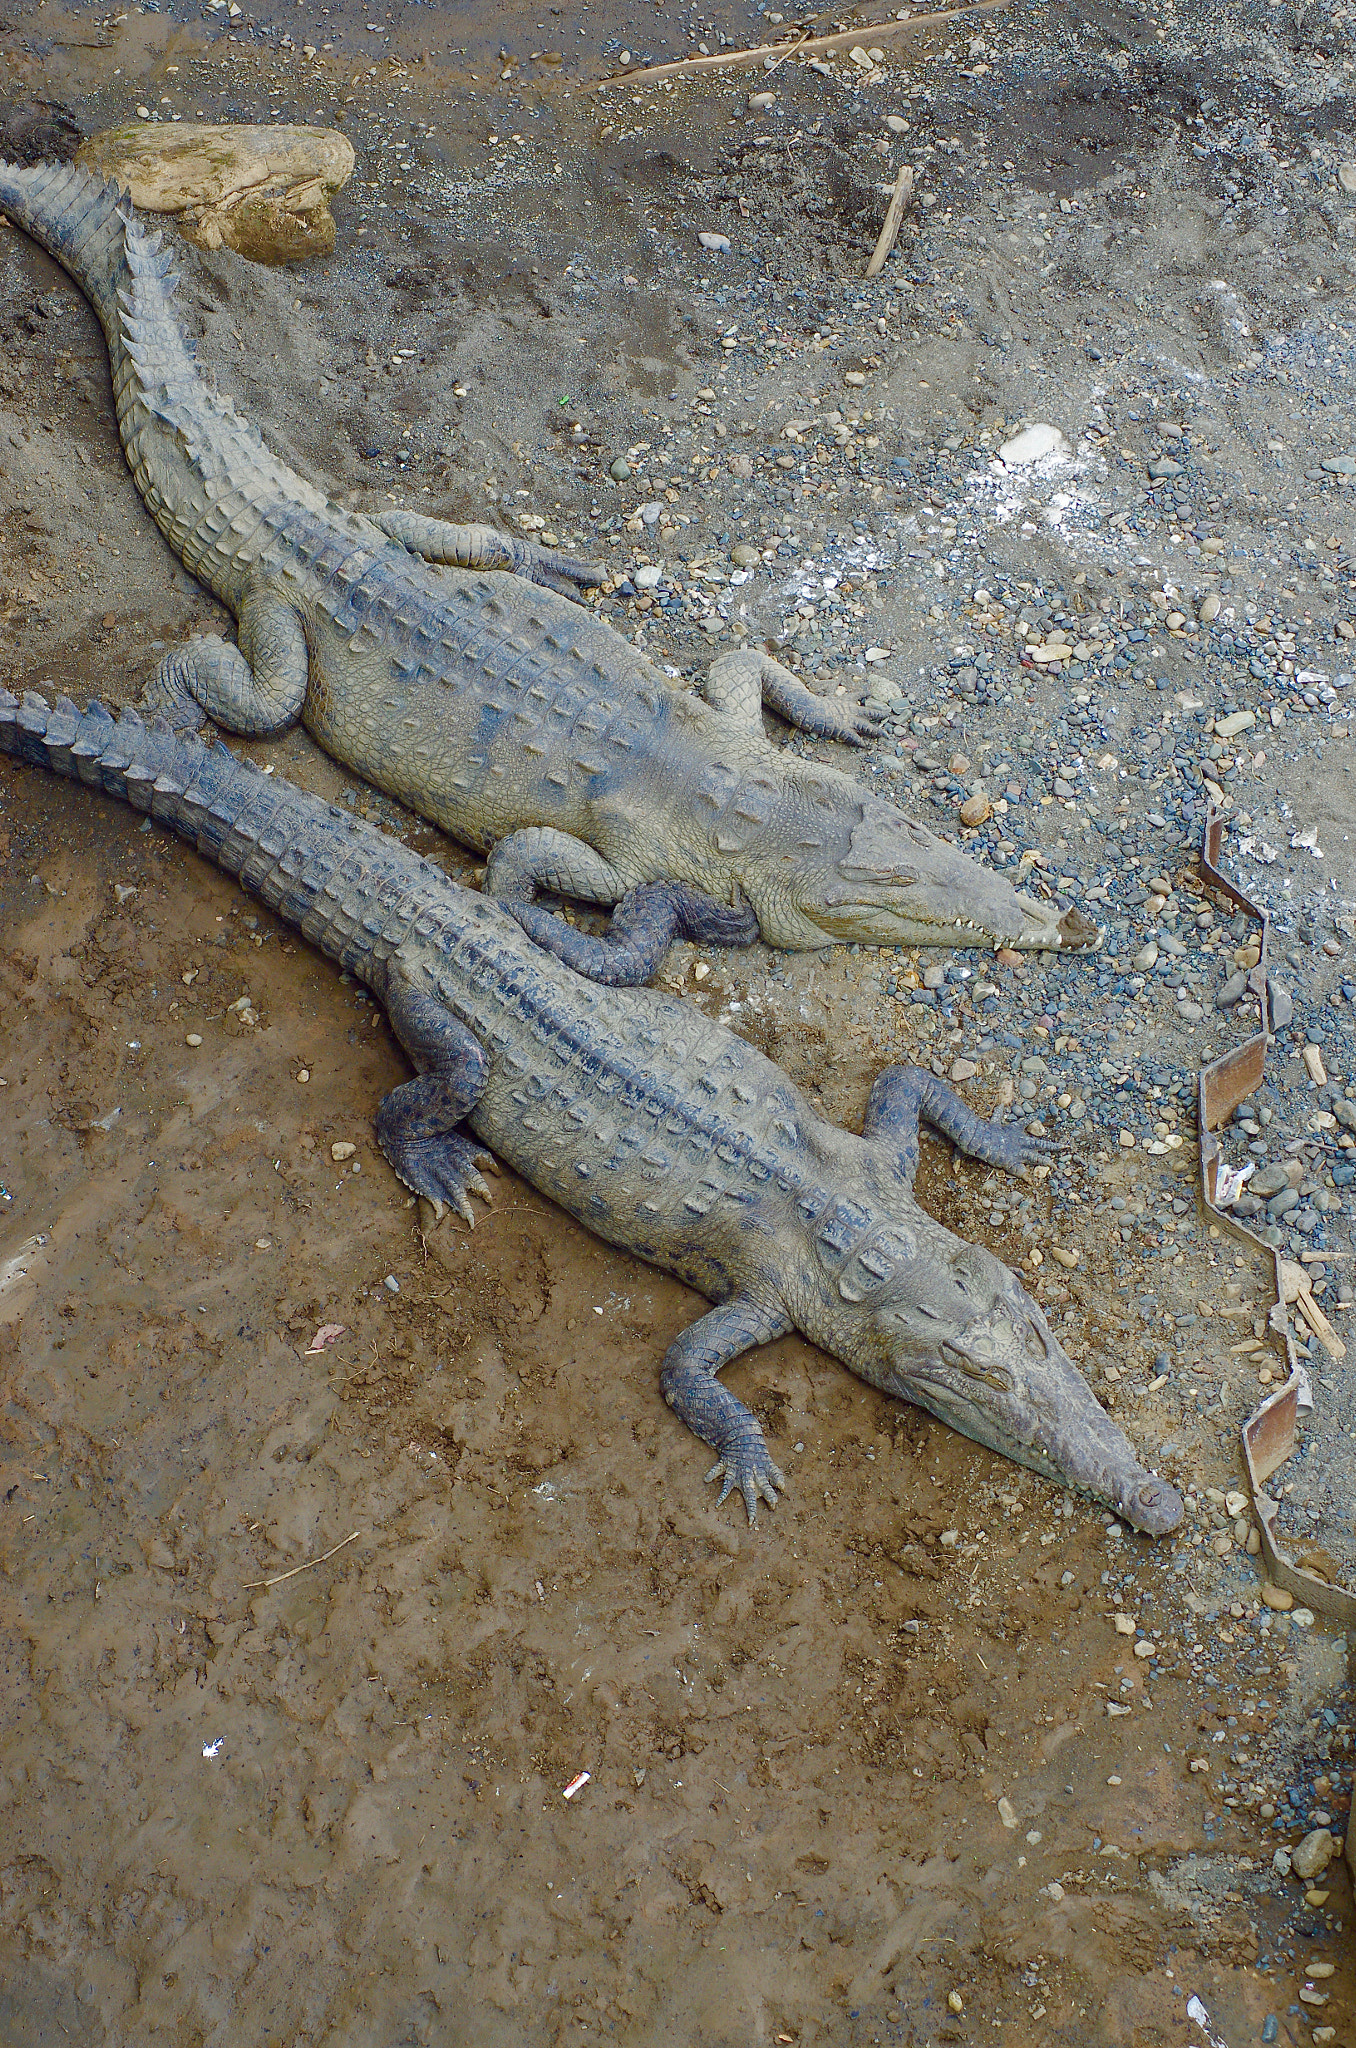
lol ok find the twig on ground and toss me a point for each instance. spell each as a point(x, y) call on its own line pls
point(816, 46)
point(894, 213)
point(254, 1585)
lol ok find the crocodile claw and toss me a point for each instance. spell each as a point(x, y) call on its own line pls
point(446, 1172)
point(557, 572)
point(749, 1466)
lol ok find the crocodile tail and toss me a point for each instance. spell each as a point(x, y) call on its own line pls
point(81, 219)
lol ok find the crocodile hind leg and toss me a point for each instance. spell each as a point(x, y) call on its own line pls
point(688, 1383)
point(483, 547)
point(417, 1123)
point(255, 688)
point(901, 1095)
point(644, 926)
point(741, 683)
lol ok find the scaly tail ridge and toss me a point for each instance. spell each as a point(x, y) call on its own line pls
point(80, 219)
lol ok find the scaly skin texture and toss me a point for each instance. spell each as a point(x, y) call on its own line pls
point(498, 708)
point(650, 1123)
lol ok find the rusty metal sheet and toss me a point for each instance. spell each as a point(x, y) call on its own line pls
point(1268, 1435)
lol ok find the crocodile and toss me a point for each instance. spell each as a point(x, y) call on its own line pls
point(450, 666)
point(644, 1119)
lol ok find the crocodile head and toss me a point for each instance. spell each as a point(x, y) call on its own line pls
point(952, 1330)
point(868, 873)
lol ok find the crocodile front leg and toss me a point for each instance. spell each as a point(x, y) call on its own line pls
point(417, 1123)
point(644, 926)
point(901, 1095)
point(541, 857)
point(688, 1383)
point(483, 547)
point(255, 688)
point(741, 683)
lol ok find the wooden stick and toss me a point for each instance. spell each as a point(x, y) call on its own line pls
point(253, 1585)
point(894, 213)
point(738, 60)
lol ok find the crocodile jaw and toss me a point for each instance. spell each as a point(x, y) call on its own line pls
point(888, 881)
point(963, 1339)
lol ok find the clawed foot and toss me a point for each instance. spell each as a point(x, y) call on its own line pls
point(748, 1465)
point(446, 1172)
point(1015, 1148)
point(862, 723)
point(557, 572)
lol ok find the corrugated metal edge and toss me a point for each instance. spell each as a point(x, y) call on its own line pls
point(1269, 1434)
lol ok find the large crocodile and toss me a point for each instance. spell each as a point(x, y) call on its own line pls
point(492, 704)
point(646, 1120)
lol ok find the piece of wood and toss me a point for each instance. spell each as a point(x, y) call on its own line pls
point(816, 46)
point(894, 214)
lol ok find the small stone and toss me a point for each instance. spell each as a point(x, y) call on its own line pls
point(1235, 1504)
point(1191, 1012)
point(1311, 1857)
point(854, 379)
point(1124, 1624)
point(1282, 1005)
point(759, 102)
point(1210, 607)
point(342, 1151)
point(1317, 1897)
point(1270, 1181)
point(896, 124)
point(1277, 1598)
point(700, 971)
point(976, 810)
point(1062, 788)
point(194, 1038)
point(963, 1070)
point(1237, 722)
point(1313, 1064)
point(1339, 465)
point(303, 1074)
point(745, 555)
point(955, 2002)
point(1007, 1812)
point(1145, 1647)
point(1346, 177)
point(1126, 1138)
point(1033, 444)
point(1164, 466)
point(718, 244)
point(620, 472)
point(1233, 990)
point(1280, 1862)
point(1146, 958)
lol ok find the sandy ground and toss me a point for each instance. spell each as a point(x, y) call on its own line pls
point(882, 1769)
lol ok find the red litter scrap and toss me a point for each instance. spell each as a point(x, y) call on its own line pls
point(324, 1336)
point(576, 1784)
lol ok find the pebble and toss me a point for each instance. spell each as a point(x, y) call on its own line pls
point(1312, 1856)
point(342, 1151)
point(194, 1038)
point(745, 556)
point(716, 243)
point(620, 472)
point(1270, 1181)
point(955, 2002)
point(303, 1073)
point(1033, 444)
point(1007, 1812)
point(1313, 1064)
point(1277, 1598)
point(976, 810)
point(1146, 958)
point(1282, 1005)
point(1210, 606)
point(1237, 722)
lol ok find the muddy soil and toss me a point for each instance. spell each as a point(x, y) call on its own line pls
point(303, 1641)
